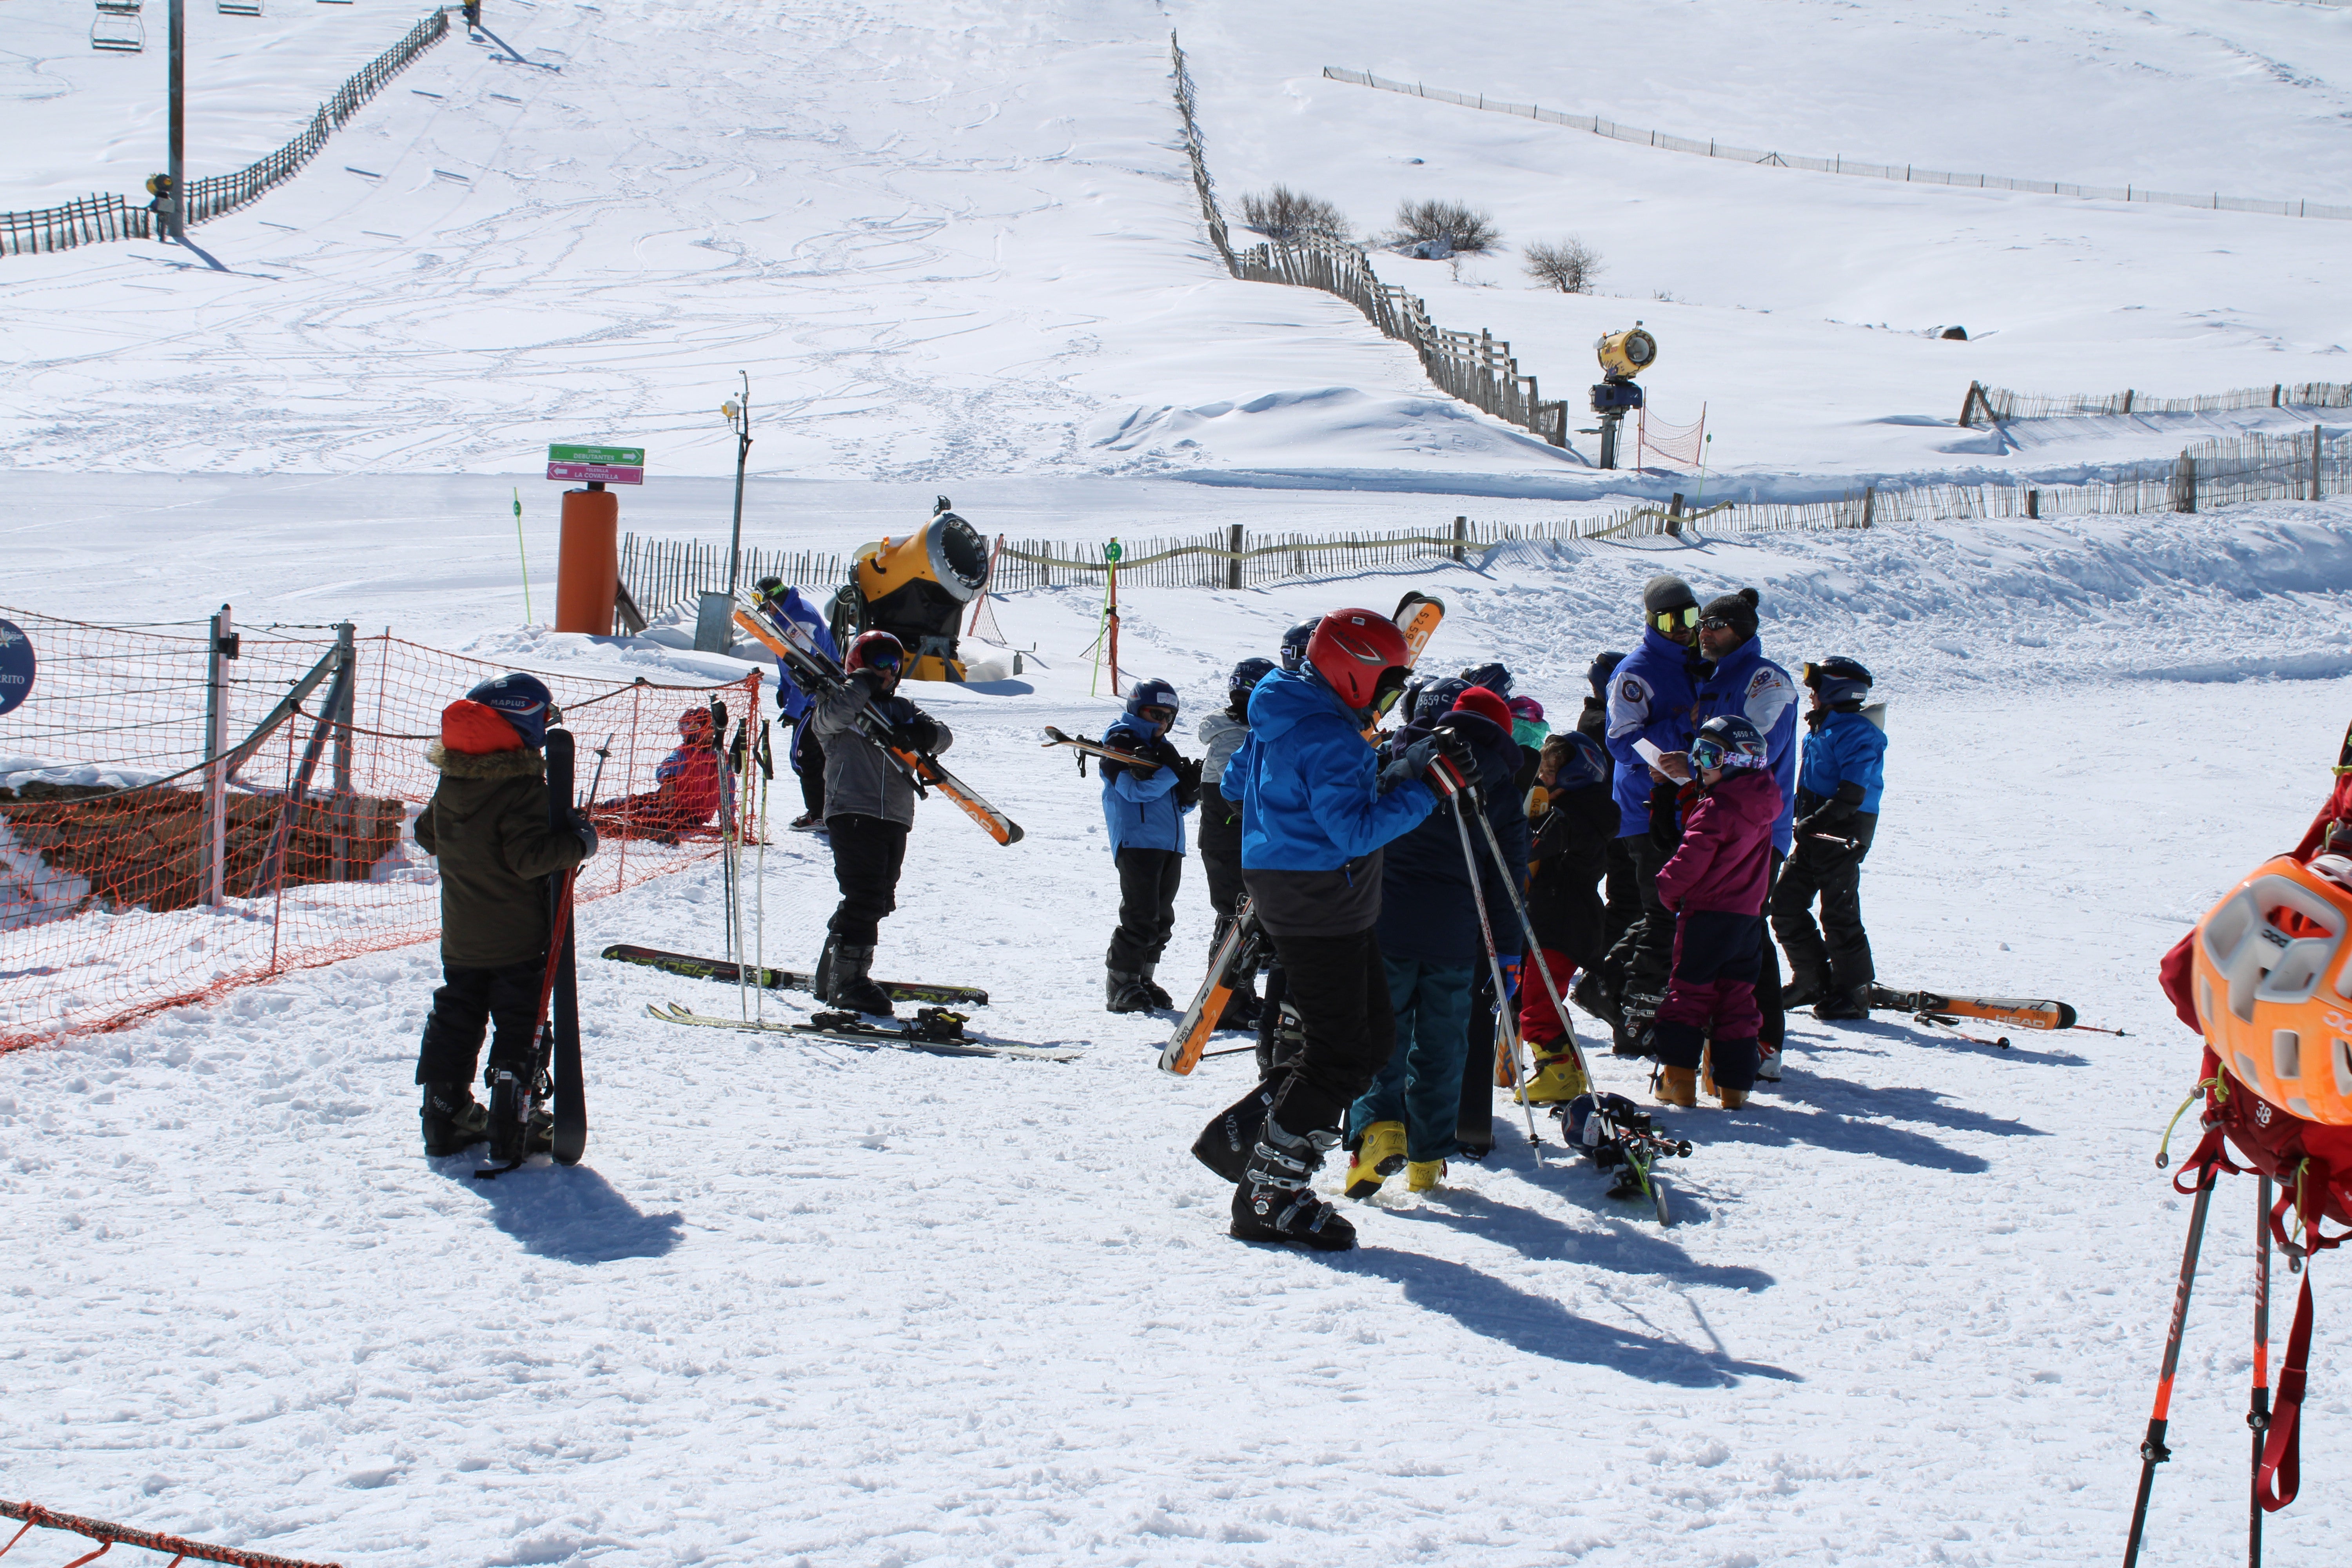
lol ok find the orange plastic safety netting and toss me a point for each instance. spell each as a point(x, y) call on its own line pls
point(124, 889)
point(1680, 445)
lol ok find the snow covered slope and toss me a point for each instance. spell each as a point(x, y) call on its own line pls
point(807, 1305)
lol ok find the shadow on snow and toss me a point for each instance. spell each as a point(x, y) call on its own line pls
point(574, 1214)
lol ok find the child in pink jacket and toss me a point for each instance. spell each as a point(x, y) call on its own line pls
point(1715, 884)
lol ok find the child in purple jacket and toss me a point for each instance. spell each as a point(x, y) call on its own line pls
point(1715, 884)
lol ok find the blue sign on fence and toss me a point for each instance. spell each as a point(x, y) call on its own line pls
point(17, 665)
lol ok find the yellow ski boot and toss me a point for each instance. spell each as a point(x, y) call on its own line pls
point(1422, 1175)
point(1558, 1080)
point(1678, 1086)
point(1379, 1156)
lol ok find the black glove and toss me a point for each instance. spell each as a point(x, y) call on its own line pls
point(587, 832)
point(1410, 761)
point(1455, 747)
point(917, 734)
point(1188, 782)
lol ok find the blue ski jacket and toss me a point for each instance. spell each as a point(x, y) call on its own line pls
point(1140, 810)
point(794, 607)
point(1650, 699)
point(1747, 683)
point(1427, 914)
point(1309, 783)
point(1847, 748)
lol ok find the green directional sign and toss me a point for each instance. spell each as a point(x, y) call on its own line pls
point(603, 456)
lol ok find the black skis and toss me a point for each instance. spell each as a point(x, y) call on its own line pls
point(728, 972)
point(935, 1030)
point(519, 1117)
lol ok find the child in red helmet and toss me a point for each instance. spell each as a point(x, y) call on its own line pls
point(869, 808)
point(688, 787)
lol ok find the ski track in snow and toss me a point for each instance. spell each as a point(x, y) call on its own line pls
point(803, 1303)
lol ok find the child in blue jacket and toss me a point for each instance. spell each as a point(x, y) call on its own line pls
point(1144, 803)
point(1838, 790)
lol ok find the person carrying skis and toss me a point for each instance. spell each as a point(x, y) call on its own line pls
point(487, 827)
point(1316, 810)
point(1222, 732)
point(1651, 698)
point(1715, 884)
point(1433, 951)
point(869, 810)
point(1743, 681)
point(807, 757)
point(1144, 803)
point(687, 788)
point(1574, 825)
point(1838, 791)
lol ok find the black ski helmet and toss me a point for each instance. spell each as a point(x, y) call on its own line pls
point(1491, 675)
point(1293, 644)
point(1604, 665)
point(1245, 677)
point(1839, 680)
point(1152, 694)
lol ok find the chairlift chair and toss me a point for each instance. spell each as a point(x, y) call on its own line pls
point(240, 8)
point(118, 32)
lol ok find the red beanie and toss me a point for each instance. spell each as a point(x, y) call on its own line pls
point(1486, 705)
point(472, 729)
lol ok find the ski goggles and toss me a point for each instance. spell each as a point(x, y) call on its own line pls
point(1158, 715)
point(882, 658)
point(1707, 751)
point(1387, 689)
point(1669, 621)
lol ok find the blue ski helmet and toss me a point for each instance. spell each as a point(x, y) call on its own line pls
point(1246, 675)
point(1293, 644)
point(1604, 665)
point(1436, 699)
point(1730, 742)
point(522, 701)
point(1839, 680)
point(1582, 762)
point(1490, 675)
point(1152, 694)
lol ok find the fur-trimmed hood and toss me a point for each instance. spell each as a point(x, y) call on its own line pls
point(521, 763)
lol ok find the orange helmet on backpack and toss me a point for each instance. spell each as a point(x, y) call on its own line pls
point(2272, 978)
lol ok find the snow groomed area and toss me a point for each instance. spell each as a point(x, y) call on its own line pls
point(808, 1304)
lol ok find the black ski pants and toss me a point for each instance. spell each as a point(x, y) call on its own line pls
point(465, 1003)
point(1148, 880)
point(867, 853)
point(1644, 955)
point(1835, 957)
point(1621, 899)
point(812, 761)
point(1775, 1026)
point(1341, 991)
point(1220, 854)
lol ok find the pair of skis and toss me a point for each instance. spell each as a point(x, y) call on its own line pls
point(934, 1030)
point(814, 671)
point(728, 973)
point(2018, 1012)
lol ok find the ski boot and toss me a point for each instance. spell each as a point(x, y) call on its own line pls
point(1379, 1156)
point(1678, 1087)
point(1592, 994)
point(1224, 1144)
point(1557, 1080)
point(1280, 1038)
point(1275, 1200)
point(454, 1120)
point(1241, 1014)
point(1842, 1007)
point(1123, 992)
point(1422, 1175)
point(1159, 998)
point(806, 822)
point(1768, 1062)
point(1801, 991)
point(853, 986)
point(1633, 1031)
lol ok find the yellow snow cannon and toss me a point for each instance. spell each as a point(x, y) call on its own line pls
point(915, 588)
point(1626, 354)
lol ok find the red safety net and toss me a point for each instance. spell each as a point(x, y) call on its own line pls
point(106, 865)
point(1677, 446)
point(36, 1517)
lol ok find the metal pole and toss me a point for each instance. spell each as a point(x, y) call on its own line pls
point(2258, 1413)
point(2152, 1451)
point(177, 112)
point(348, 655)
point(742, 455)
point(211, 851)
point(1455, 793)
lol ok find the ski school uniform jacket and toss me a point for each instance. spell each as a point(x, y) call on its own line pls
point(487, 826)
point(1845, 749)
point(1142, 811)
point(1747, 683)
point(1726, 856)
point(1570, 845)
point(1650, 699)
point(1313, 817)
point(859, 779)
point(794, 607)
point(1427, 913)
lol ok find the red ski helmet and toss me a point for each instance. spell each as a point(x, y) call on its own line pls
point(1360, 655)
point(695, 723)
point(875, 650)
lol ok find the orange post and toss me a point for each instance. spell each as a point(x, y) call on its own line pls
point(588, 562)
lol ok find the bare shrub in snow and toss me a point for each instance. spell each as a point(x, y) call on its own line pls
point(1284, 214)
point(1568, 264)
point(1436, 229)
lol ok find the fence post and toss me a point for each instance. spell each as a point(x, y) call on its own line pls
point(347, 648)
point(1674, 515)
point(2184, 485)
point(1234, 567)
point(2034, 503)
point(2127, 399)
point(2276, 389)
point(1461, 533)
point(211, 847)
point(1869, 503)
point(2316, 443)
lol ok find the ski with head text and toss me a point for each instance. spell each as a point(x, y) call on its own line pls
point(728, 973)
point(2018, 1012)
point(1240, 955)
point(814, 671)
point(934, 1031)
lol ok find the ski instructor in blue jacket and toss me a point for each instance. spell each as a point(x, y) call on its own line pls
point(1316, 807)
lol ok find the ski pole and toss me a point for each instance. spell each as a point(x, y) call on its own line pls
point(2152, 1451)
point(1527, 929)
point(1454, 791)
point(2093, 1029)
point(2258, 1412)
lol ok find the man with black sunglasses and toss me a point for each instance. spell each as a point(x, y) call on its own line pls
point(1653, 696)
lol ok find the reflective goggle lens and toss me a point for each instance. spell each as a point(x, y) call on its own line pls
point(1707, 753)
point(1667, 620)
point(883, 659)
point(1159, 715)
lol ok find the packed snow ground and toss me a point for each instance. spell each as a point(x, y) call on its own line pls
point(951, 241)
point(802, 1303)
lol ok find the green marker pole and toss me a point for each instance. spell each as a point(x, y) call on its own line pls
point(526, 558)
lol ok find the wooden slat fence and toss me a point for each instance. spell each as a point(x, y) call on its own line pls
point(86, 220)
point(662, 574)
point(1840, 165)
point(1997, 405)
point(1473, 366)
